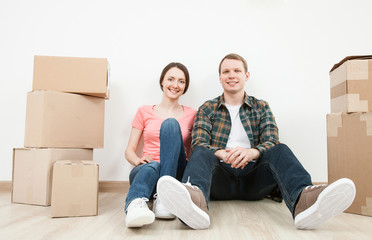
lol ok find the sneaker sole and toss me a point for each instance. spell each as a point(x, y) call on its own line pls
point(139, 220)
point(176, 198)
point(333, 200)
point(165, 216)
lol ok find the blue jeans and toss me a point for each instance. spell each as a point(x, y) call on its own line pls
point(143, 178)
point(278, 166)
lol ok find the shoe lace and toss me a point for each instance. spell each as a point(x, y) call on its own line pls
point(189, 184)
point(142, 202)
point(315, 186)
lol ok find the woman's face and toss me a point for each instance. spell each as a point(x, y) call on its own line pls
point(174, 83)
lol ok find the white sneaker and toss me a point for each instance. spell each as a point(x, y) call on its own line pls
point(160, 211)
point(321, 202)
point(184, 200)
point(138, 213)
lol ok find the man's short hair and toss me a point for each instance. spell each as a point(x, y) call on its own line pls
point(236, 57)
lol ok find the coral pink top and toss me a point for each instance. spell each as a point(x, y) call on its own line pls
point(147, 121)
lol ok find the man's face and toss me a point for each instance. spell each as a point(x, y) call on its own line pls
point(233, 76)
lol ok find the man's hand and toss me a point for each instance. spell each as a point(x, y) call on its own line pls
point(239, 157)
point(221, 154)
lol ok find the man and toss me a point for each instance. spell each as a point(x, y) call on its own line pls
point(237, 155)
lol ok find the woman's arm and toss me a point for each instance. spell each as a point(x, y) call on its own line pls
point(130, 151)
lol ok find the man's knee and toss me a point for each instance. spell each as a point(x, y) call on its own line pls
point(274, 152)
point(202, 153)
point(281, 147)
point(202, 150)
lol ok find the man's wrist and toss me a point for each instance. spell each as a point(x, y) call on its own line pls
point(257, 153)
point(217, 153)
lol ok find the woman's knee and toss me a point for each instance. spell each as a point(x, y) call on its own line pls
point(170, 128)
point(153, 165)
point(148, 168)
point(170, 123)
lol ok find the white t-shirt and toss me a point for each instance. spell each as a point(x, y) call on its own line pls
point(238, 136)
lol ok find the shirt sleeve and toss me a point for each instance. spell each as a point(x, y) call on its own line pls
point(138, 121)
point(269, 136)
point(201, 133)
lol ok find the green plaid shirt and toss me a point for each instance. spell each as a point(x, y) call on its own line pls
point(212, 124)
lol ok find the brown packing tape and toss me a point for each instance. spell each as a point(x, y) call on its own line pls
point(368, 119)
point(338, 90)
point(367, 210)
point(334, 121)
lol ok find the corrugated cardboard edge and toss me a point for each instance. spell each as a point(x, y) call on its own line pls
point(334, 121)
point(11, 198)
point(367, 210)
point(350, 58)
point(97, 189)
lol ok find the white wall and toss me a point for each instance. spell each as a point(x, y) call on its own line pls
point(290, 46)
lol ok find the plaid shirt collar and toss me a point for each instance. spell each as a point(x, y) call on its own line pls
point(247, 101)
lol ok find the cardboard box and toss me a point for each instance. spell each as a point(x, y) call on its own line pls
point(75, 188)
point(32, 172)
point(87, 76)
point(349, 138)
point(64, 120)
point(351, 85)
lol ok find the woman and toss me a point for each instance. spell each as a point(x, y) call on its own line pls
point(166, 130)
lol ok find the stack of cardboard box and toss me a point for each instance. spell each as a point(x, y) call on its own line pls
point(349, 128)
point(64, 123)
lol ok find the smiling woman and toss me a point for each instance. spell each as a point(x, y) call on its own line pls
point(175, 71)
point(166, 130)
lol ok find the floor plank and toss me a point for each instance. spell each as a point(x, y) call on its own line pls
point(229, 220)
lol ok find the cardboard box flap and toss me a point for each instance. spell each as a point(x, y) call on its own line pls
point(361, 57)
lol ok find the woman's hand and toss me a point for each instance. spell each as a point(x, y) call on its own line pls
point(144, 159)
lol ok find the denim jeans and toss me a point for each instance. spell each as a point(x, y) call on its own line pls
point(143, 178)
point(278, 166)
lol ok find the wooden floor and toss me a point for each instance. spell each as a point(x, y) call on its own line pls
point(229, 220)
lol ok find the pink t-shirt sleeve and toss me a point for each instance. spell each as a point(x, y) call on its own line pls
point(138, 121)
